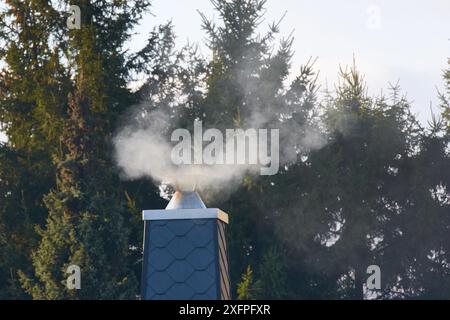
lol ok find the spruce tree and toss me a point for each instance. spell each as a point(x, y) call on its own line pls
point(85, 226)
point(423, 247)
point(89, 219)
point(246, 89)
point(43, 63)
point(371, 139)
point(33, 99)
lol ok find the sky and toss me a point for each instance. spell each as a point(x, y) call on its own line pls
point(402, 40)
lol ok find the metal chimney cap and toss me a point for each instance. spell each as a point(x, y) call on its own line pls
point(185, 200)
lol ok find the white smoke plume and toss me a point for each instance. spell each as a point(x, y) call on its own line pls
point(143, 149)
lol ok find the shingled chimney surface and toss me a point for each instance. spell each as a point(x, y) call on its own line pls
point(185, 251)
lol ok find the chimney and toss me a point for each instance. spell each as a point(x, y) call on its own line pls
point(185, 251)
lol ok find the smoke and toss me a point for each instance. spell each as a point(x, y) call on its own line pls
point(143, 149)
point(143, 146)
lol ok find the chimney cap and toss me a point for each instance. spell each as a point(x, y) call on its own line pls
point(185, 200)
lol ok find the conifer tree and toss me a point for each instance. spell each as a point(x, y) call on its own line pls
point(371, 138)
point(43, 63)
point(246, 89)
point(33, 99)
point(85, 226)
point(88, 221)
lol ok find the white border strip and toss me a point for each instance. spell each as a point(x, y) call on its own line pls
point(184, 214)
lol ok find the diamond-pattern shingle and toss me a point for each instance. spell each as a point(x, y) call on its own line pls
point(180, 227)
point(200, 280)
point(200, 258)
point(180, 271)
point(160, 258)
point(165, 236)
point(180, 291)
point(179, 248)
point(161, 282)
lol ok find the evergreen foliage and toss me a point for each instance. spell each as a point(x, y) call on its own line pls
point(361, 181)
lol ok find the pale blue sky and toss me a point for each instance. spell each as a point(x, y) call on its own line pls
point(409, 41)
